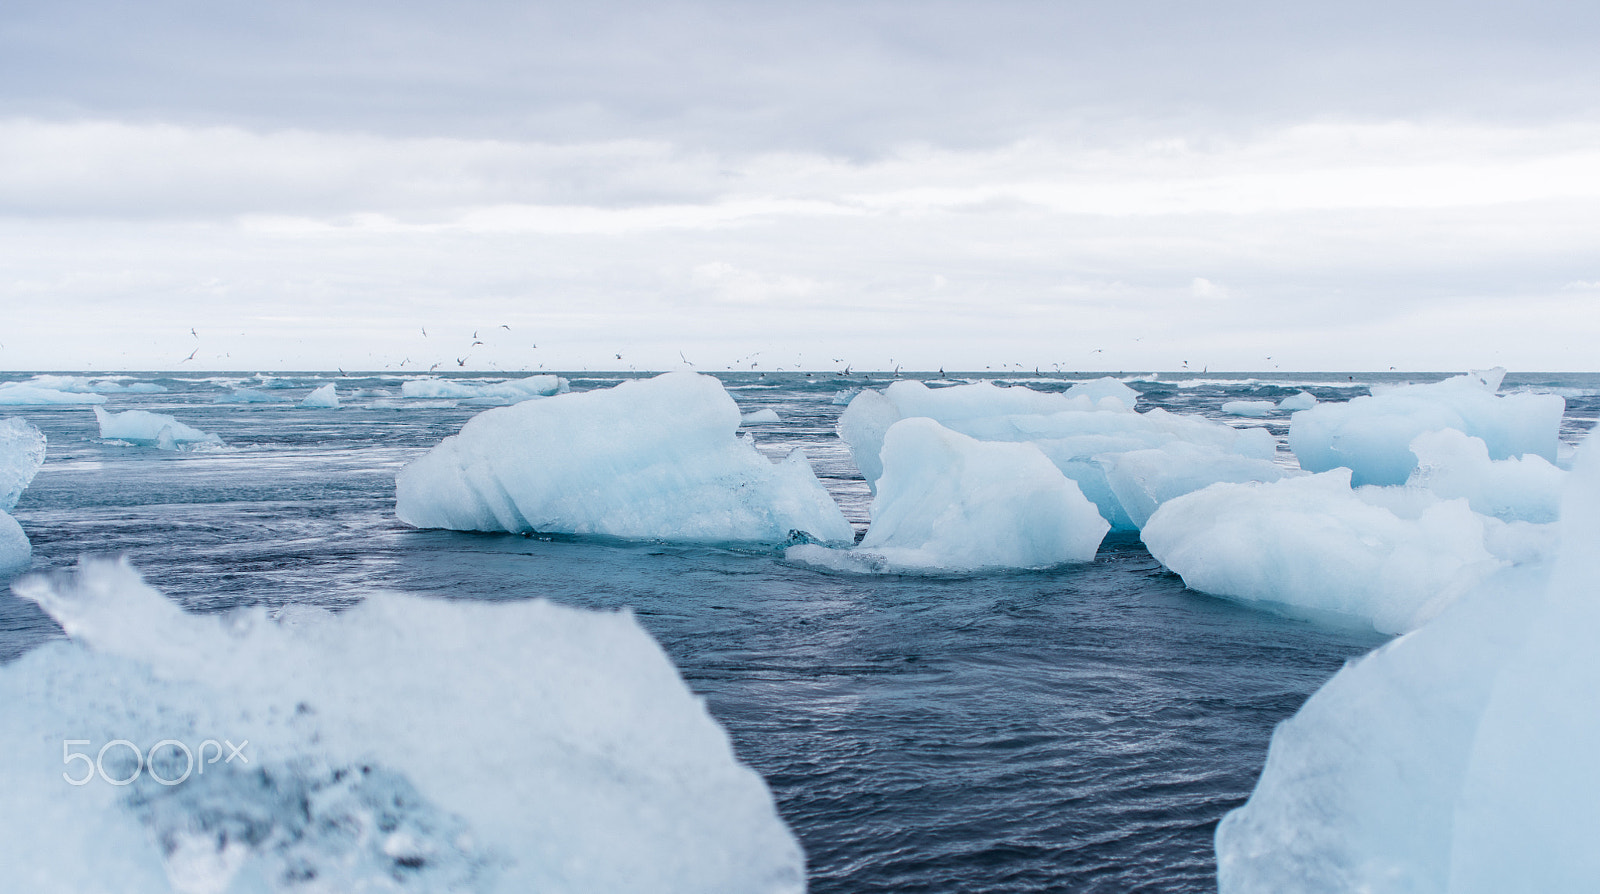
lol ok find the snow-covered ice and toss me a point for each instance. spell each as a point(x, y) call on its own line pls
point(1459, 758)
point(1372, 435)
point(1312, 544)
point(508, 391)
point(148, 429)
point(407, 744)
point(1252, 408)
point(22, 450)
point(950, 503)
point(324, 398)
point(649, 459)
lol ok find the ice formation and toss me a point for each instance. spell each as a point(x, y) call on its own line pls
point(1313, 545)
point(325, 398)
point(650, 459)
point(1303, 400)
point(95, 385)
point(509, 391)
point(407, 744)
point(148, 429)
point(1459, 758)
point(760, 417)
point(249, 396)
point(1142, 480)
point(950, 503)
point(1452, 464)
point(1078, 433)
point(1253, 408)
point(1104, 387)
point(22, 450)
point(1372, 435)
point(26, 395)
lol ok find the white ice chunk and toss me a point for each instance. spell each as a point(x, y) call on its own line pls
point(1372, 435)
point(1312, 545)
point(508, 391)
point(407, 744)
point(1452, 464)
point(949, 503)
point(23, 394)
point(22, 449)
point(15, 551)
point(1142, 480)
point(654, 459)
point(1304, 400)
point(1459, 758)
point(149, 429)
point(95, 385)
point(1252, 408)
point(1104, 387)
point(761, 417)
point(325, 398)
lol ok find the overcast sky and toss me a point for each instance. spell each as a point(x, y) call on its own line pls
point(1075, 186)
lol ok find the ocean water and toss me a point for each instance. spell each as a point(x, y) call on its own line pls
point(1079, 729)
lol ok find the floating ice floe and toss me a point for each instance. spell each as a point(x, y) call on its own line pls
point(1104, 387)
point(1452, 464)
point(649, 459)
point(324, 398)
point(406, 744)
point(1459, 758)
point(1303, 400)
point(146, 429)
point(1142, 480)
point(509, 391)
point(1372, 435)
point(1390, 557)
point(26, 395)
point(950, 503)
point(1079, 434)
point(22, 449)
point(95, 384)
point(250, 396)
point(761, 417)
point(1252, 408)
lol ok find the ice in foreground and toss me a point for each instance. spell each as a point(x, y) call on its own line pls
point(1459, 758)
point(148, 429)
point(22, 450)
point(651, 459)
point(407, 744)
point(1372, 435)
point(950, 503)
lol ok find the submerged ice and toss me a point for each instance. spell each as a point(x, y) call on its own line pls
point(407, 744)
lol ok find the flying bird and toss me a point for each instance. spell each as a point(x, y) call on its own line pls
point(193, 333)
point(191, 356)
point(505, 327)
point(424, 332)
point(461, 361)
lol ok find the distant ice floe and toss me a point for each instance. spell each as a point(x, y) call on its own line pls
point(1304, 400)
point(22, 450)
point(146, 429)
point(406, 744)
point(648, 459)
point(509, 391)
point(951, 504)
point(1459, 758)
point(250, 396)
point(323, 398)
point(1372, 435)
point(22, 394)
point(95, 384)
point(1080, 433)
point(1252, 408)
point(761, 417)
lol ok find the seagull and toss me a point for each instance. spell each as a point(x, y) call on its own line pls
point(191, 356)
point(193, 333)
point(684, 359)
point(505, 327)
point(461, 361)
point(476, 343)
point(474, 333)
point(433, 367)
point(619, 356)
point(424, 332)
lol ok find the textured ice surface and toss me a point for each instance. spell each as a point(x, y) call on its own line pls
point(1459, 758)
point(1372, 435)
point(650, 459)
point(1142, 480)
point(407, 744)
point(149, 429)
point(22, 450)
point(24, 394)
point(509, 391)
point(1303, 400)
point(1106, 386)
point(949, 503)
point(1452, 464)
point(1249, 407)
point(1078, 433)
point(1312, 544)
point(325, 397)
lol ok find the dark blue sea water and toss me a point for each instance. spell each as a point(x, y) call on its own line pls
point(1081, 729)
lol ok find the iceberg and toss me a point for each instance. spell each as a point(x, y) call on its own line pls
point(953, 504)
point(509, 391)
point(1458, 758)
point(147, 429)
point(249, 396)
point(1303, 400)
point(95, 385)
point(325, 398)
point(1142, 480)
point(406, 744)
point(1452, 464)
point(1312, 545)
point(648, 459)
point(1372, 435)
point(22, 449)
point(26, 395)
point(761, 417)
point(1253, 408)
point(1104, 387)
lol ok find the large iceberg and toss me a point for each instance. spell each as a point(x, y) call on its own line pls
point(1459, 758)
point(950, 503)
point(148, 429)
point(1142, 480)
point(1079, 433)
point(650, 459)
point(22, 449)
point(1452, 464)
point(509, 391)
point(1372, 435)
point(1311, 544)
point(406, 744)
